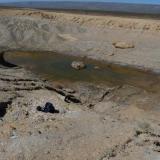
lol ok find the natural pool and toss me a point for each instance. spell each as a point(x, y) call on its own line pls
point(57, 67)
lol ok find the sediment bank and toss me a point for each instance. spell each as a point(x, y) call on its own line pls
point(94, 122)
point(83, 35)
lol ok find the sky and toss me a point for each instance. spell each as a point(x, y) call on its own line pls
point(128, 1)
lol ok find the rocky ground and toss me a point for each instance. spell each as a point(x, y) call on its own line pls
point(120, 122)
point(95, 122)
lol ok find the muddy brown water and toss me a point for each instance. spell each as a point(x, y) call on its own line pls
point(57, 67)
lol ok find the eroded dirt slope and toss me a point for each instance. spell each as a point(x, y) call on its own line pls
point(86, 35)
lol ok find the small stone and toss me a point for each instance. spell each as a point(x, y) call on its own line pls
point(69, 90)
point(13, 135)
point(111, 54)
point(47, 152)
point(90, 106)
point(78, 65)
point(156, 146)
point(123, 45)
point(96, 67)
point(157, 143)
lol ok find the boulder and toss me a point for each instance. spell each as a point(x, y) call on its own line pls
point(78, 65)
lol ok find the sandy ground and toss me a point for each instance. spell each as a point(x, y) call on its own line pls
point(118, 123)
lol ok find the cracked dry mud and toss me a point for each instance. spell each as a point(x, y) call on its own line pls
point(110, 123)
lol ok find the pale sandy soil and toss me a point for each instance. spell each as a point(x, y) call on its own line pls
point(83, 19)
point(88, 35)
point(118, 123)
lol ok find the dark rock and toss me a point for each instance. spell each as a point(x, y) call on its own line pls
point(3, 108)
point(71, 98)
point(48, 108)
point(39, 108)
point(78, 65)
point(157, 143)
point(90, 106)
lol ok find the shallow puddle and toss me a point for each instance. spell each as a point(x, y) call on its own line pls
point(57, 67)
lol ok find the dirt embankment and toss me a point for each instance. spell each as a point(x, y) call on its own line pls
point(84, 35)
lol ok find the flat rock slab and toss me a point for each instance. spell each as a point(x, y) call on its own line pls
point(123, 45)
